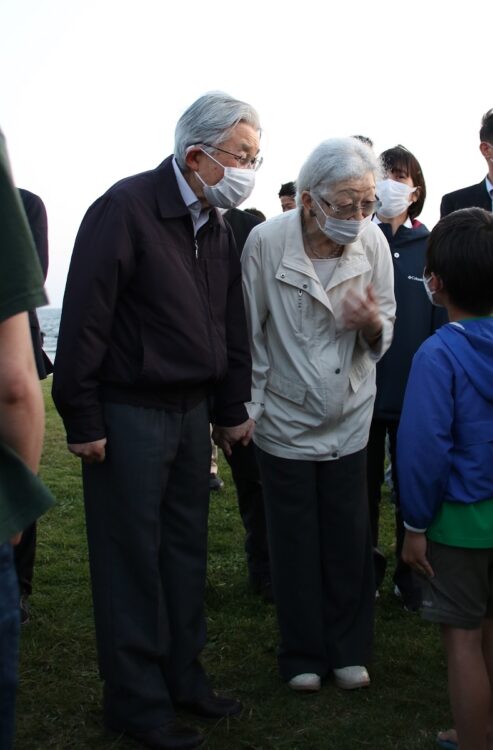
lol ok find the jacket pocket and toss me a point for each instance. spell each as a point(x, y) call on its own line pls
point(362, 366)
point(288, 389)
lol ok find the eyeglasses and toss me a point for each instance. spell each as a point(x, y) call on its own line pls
point(367, 208)
point(247, 162)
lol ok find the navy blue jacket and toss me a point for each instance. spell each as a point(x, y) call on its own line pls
point(416, 317)
point(474, 195)
point(152, 316)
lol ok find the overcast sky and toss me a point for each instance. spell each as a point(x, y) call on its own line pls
point(91, 90)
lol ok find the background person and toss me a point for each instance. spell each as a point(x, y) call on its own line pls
point(287, 196)
point(402, 194)
point(243, 462)
point(22, 496)
point(480, 195)
point(153, 347)
point(319, 295)
point(25, 551)
point(445, 465)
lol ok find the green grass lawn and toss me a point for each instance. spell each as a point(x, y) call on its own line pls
point(59, 696)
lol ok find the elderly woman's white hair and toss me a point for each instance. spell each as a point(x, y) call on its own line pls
point(333, 161)
point(210, 119)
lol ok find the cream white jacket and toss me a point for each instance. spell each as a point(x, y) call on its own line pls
point(313, 380)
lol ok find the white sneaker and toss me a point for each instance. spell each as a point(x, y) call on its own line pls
point(307, 682)
point(350, 678)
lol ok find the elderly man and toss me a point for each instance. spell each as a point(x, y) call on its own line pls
point(152, 347)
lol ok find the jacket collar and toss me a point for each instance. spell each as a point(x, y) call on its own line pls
point(352, 263)
point(169, 199)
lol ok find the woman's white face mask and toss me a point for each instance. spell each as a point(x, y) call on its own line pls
point(342, 231)
point(234, 187)
point(394, 197)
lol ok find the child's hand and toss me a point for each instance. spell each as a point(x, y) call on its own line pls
point(414, 553)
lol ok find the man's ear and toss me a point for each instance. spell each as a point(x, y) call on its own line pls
point(193, 158)
point(483, 147)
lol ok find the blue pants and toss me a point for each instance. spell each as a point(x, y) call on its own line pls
point(9, 645)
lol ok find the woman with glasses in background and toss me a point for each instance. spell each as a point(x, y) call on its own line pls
point(319, 296)
point(402, 194)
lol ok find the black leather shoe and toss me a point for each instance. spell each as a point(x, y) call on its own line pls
point(212, 706)
point(215, 483)
point(170, 736)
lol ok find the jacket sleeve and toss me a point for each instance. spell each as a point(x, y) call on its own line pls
point(424, 440)
point(102, 263)
point(38, 224)
point(232, 392)
point(382, 280)
point(257, 312)
point(446, 206)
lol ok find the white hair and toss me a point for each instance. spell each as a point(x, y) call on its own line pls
point(335, 160)
point(210, 120)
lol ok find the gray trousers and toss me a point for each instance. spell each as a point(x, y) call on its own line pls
point(321, 561)
point(146, 515)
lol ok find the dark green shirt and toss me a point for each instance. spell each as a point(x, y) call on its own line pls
point(23, 497)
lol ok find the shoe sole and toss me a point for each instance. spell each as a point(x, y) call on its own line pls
point(351, 685)
point(304, 688)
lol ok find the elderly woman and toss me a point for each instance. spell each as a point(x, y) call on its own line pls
point(318, 286)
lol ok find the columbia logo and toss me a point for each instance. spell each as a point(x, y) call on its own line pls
point(415, 278)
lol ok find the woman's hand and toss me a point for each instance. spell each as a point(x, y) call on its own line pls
point(362, 313)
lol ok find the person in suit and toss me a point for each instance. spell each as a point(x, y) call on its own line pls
point(243, 463)
point(480, 195)
point(25, 551)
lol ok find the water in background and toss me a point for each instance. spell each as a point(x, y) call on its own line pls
point(49, 321)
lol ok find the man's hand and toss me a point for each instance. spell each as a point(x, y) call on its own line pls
point(227, 437)
point(414, 553)
point(90, 453)
point(14, 540)
point(362, 313)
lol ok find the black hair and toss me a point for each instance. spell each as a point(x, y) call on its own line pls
point(364, 139)
point(460, 252)
point(288, 188)
point(256, 212)
point(399, 157)
point(486, 132)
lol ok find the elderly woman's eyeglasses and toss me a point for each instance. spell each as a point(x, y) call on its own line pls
point(367, 208)
point(246, 162)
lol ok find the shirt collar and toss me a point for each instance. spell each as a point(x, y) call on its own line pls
point(199, 215)
point(408, 223)
point(489, 186)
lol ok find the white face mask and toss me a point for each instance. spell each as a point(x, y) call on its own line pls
point(342, 231)
point(429, 293)
point(233, 188)
point(394, 197)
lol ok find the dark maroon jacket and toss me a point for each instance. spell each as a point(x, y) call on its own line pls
point(150, 316)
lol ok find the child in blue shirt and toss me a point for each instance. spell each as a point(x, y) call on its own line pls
point(445, 466)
